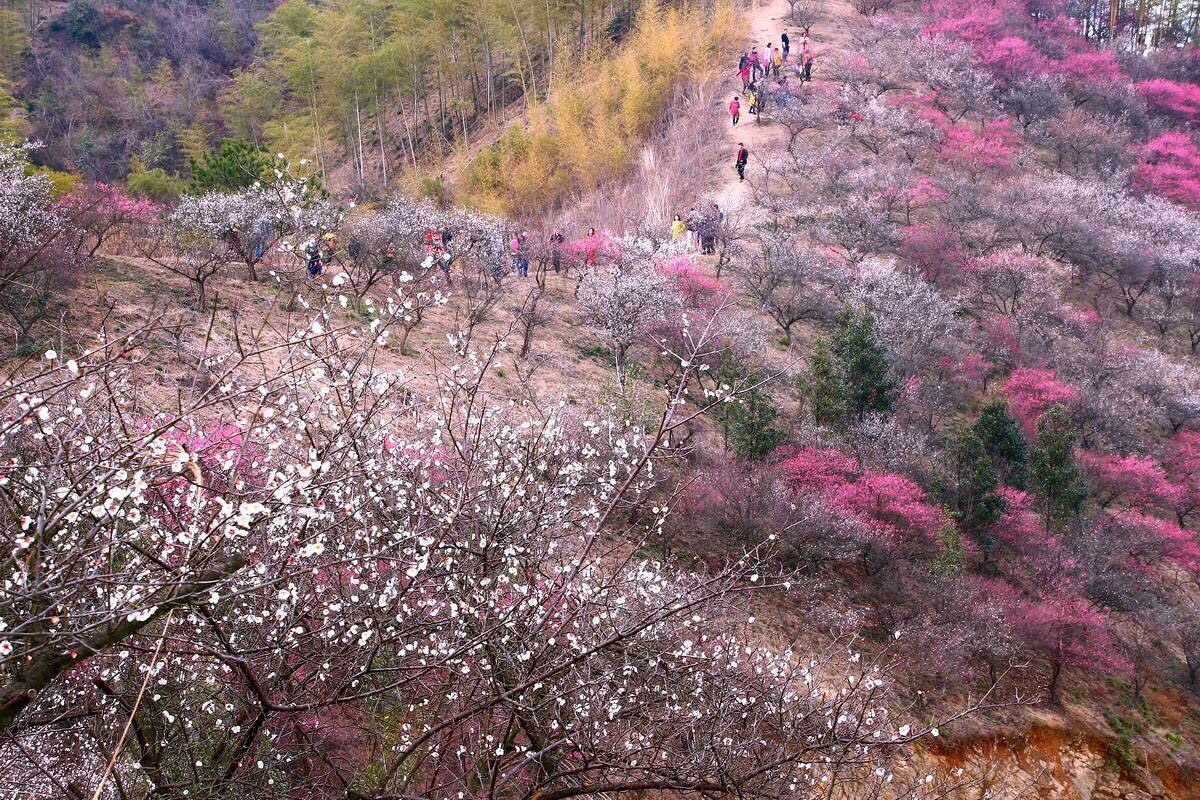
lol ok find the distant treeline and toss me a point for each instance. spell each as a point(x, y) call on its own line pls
point(369, 87)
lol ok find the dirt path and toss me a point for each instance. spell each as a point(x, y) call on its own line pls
point(767, 20)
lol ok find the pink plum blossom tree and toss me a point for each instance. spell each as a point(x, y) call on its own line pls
point(1170, 168)
point(1031, 392)
point(1179, 101)
point(103, 212)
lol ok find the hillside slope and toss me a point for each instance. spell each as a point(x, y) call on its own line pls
point(900, 478)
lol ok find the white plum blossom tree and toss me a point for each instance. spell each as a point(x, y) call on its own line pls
point(790, 279)
point(915, 322)
point(624, 300)
point(37, 255)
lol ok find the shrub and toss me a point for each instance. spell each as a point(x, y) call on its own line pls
point(153, 183)
point(1121, 754)
point(81, 21)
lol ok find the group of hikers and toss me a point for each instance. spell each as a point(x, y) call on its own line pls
point(511, 253)
point(754, 66)
point(319, 253)
point(260, 239)
point(700, 227)
point(506, 253)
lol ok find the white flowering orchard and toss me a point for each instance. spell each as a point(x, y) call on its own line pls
point(305, 580)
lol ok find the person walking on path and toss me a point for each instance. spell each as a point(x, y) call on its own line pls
point(593, 244)
point(678, 228)
point(312, 255)
point(754, 63)
point(743, 158)
point(709, 228)
point(744, 74)
point(808, 59)
point(514, 249)
point(744, 61)
point(497, 256)
point(556, 243)
point(782, 91)
point(520, 254)
point(776, 62)
point(752, 101)
point(735, 110)
point(787, 45)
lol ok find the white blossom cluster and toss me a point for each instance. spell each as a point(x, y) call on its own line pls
point(914, 320)
point(27, 215)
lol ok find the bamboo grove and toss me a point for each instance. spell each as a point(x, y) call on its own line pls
point(378, 87)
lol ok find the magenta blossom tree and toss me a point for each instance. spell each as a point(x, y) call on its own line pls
point(1170, 168)
point(1129, 481)
point(1031, 392)
point(989, 150)
point(1183, 467)
point(102, 212)
point(1180, 101)
point(893, 508)
point(1063, 631)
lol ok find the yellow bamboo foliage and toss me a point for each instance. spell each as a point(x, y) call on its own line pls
point(584, 133)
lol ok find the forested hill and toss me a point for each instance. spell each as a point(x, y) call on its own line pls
point(370, 87)
point(108, 85)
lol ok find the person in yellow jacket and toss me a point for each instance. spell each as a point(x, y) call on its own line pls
point(678, 228)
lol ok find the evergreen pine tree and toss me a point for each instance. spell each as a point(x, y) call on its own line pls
point(970, 488)
point(748, 422)
point(1004, 443)
point(849, 376)
point(236, 164)
point(1053, 475)
point(752, 434)
point(824, 387)
point(870, 385)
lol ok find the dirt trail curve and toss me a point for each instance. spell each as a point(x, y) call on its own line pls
point(767, 20)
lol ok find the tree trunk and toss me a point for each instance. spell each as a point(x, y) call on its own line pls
point(1052, 687)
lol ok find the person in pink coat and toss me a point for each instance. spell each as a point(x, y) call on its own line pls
point(735, 110)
